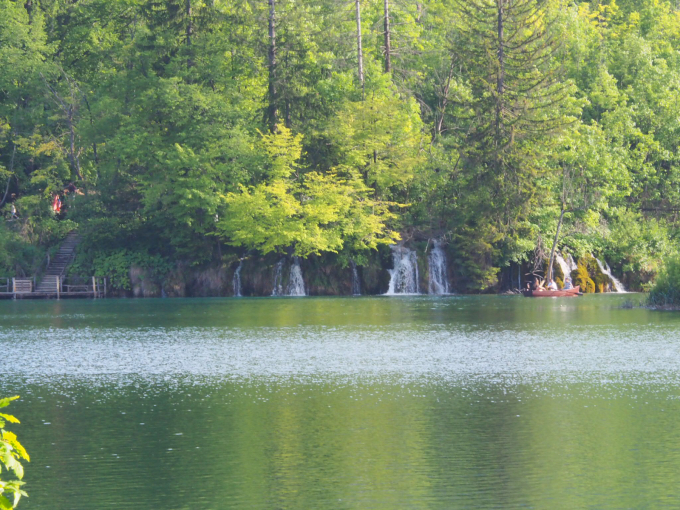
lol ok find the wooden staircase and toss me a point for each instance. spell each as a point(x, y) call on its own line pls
point(58, 264)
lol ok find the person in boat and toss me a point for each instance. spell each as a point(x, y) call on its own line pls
point(567, 284)
point(552, 285)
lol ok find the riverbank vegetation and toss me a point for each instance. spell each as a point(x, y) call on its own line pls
point(198, 133)
point(666, 290)
point(11, 454)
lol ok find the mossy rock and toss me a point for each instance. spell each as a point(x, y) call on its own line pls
point(581, 278)
point(557, 269)
point(590, 286)
point(559, 282)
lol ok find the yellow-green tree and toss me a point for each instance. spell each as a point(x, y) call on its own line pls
point(11, 452)
point(307, 213)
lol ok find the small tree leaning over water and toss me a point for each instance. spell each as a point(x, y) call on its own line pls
point(11, 452)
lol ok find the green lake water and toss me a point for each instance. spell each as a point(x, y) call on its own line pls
point(345, 403)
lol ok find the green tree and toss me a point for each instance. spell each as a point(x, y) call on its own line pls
point(306, 213)
point(11, 453)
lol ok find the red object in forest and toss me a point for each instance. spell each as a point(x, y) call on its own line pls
point(56, 204)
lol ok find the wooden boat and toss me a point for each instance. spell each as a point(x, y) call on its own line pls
point(553, 293)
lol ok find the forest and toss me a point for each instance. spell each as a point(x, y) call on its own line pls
point(181, 136)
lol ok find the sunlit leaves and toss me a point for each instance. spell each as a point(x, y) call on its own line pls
point(306, 213)
point(11, 452)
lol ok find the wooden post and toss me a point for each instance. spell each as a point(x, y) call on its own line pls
point(14, 287)
point(94, 286)
point(58, 287)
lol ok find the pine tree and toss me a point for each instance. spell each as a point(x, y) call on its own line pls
point(510, 50)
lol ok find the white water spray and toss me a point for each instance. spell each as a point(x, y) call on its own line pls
point(404, 277)
point(237, 279)
point(564, 265)
point(356, 284)
point(618, 286)
point(296, 284)
point(439, 283)
point(277, 290)
point(572, 263)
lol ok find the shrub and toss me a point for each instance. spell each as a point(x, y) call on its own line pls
point(11, 452)
point(666, 289)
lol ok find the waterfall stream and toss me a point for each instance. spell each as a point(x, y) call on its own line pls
point(356, 284)
point(572, 263)
point(296, 284)
point(618, 286)
point(404, 277)
point(237, 279)
point(564, 265)
point(277, 289)
point(438, 283)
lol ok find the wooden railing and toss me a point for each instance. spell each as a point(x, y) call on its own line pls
point(71, 286)
point(75, 284)
point(22, 285)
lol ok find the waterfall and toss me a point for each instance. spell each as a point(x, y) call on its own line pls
point(296, 285)
point(618, 286)
point(278, 277)
point(438, 283)
point(237, 279)
point(564, 265)
point(356, 284)
point(572, 263)
point(404, 276)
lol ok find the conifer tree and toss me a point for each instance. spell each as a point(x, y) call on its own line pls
point(519, 97)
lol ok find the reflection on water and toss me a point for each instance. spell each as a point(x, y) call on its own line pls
point(456, 402)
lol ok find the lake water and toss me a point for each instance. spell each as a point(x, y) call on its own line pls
point(345, 403)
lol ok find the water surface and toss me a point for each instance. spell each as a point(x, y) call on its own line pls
point(450, 402)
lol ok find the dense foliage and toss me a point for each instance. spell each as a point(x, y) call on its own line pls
point(666, 289)
point(11, 453)
point(197, 131)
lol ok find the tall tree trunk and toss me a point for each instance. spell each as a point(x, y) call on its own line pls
point(190, 32)
point(388, 43)
point(272, 111)
point(360, 53)
point(11, 170)
point(29, 10)
point(443, 102)
point(551, 261)
point(500, 79)
point(74, 154)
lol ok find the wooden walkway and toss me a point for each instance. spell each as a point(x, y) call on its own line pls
point(64, 288)
point(54, 285)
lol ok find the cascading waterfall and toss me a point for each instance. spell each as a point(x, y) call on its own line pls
point(618, 286)
point(356, 284)
point(237, 279)
point(439, 283)
point(278, 279)
point(404, 277)
point(572, 263)
point(296, 285)
point(564, 265)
